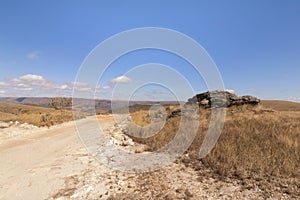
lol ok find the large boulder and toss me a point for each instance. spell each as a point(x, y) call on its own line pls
point(220, 98)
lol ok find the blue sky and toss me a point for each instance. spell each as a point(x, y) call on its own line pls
point(255, 44)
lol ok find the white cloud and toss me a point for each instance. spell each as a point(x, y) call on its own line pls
point(106, 87)
point(84, 89)
point(2, 91)
point(21, 85)
point(2, 84)
point(33, 55)
point(295, 99)
point(14, 80)
point(78, 84)
point(35, 85)
point(120, 79)
point(98, 87)
point(63, 87)
point(31, 77)
point(23, 88)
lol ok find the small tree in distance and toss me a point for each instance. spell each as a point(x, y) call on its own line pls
point(60, 103)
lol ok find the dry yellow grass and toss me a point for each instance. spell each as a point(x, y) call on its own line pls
point(281, 105)
point(141, 118)
point(255, 144)
point(38, 116)
point(266, 143)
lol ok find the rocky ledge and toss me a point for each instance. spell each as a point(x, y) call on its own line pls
point(220, 98)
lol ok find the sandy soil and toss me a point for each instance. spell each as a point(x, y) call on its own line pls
point(43, 163)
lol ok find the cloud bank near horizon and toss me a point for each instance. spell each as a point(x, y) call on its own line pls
point(32, 85)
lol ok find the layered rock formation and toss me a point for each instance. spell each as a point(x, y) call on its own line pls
point(219, 98)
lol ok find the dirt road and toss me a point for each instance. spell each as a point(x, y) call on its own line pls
point(35, 165)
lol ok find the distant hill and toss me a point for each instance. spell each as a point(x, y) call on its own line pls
point(281, 105)
point(82, 104)
point(33, 114)
point(40, 101)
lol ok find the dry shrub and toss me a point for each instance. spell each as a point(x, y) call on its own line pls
point(141, 118)
point(160, 139)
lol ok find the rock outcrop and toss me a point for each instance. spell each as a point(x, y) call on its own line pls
point(219, 98)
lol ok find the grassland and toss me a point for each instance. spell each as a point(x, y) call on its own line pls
point(281, 105)
point(36, 115)
point(258, 146)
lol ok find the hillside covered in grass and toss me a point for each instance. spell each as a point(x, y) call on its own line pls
point(281, 105)
point(35, 115)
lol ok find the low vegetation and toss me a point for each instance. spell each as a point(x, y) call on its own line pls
point(258, 145)
point(281, 105)
point(36, 115)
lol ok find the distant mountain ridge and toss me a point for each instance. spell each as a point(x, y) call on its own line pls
point(40, 101)
point(82, 104)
